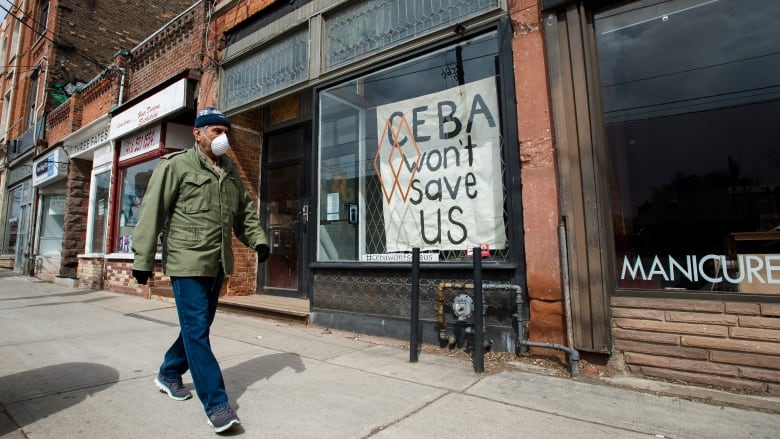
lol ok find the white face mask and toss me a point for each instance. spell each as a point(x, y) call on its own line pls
point(220, 145)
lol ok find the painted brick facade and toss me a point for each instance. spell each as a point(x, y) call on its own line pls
point(727, 344)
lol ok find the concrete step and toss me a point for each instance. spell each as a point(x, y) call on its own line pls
point(262, 305)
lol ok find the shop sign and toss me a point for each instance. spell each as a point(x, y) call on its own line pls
point(140, 143)
point(51, 168)
point(755, 273)
point(439, 167)
point(88, 144)
point(149, 110)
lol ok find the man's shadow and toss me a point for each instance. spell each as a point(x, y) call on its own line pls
point(65, 384)
point(243, 375)
point(240, 377)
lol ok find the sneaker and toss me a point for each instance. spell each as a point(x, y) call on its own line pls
point(222, 419)
point(174, 389)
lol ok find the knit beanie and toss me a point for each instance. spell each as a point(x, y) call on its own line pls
point(211, 116)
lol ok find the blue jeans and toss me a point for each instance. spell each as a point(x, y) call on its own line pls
point(196, 304)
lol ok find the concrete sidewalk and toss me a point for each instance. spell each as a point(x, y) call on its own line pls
point(80, 363)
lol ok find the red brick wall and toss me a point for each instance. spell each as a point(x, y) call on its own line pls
point(540, 188)
point(730, 345)
point(246, 146)
point(178, 47)
point(97, 99)
point(97, 30)
point(58, 122)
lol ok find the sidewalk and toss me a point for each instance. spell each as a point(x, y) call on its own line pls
point(78, 363)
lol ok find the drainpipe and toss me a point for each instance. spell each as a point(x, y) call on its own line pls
point(121, 86)
point(565, 274)
point(522, 336)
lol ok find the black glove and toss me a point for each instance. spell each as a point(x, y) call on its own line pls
point(262, 253)
point(141, 276)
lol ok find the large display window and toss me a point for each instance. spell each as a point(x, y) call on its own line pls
point(690, 96)
point(133, 182)
point(51, 229)
point(411, 156)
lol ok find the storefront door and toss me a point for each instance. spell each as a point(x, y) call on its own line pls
point(285, 212)
point(16, 235)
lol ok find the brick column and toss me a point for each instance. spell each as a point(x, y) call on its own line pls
point(75, 221)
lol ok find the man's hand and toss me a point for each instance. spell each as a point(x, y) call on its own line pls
point(141, 276)
point(262, 253)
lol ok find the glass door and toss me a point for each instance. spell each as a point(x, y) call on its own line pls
point(285, 211)
point(17, 230)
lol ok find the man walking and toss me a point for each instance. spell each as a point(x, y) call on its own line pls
point(197, 200)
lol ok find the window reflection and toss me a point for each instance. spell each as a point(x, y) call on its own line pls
point(99, 206)
point(441, 109)
point(690, 93)
point(133, 184)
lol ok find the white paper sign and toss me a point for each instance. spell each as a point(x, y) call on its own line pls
point(439, 165)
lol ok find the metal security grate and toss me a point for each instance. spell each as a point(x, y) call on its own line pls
point(370, 26)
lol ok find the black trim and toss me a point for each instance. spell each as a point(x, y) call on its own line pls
point(304, 276)
point(551, 4)
point(511, 154)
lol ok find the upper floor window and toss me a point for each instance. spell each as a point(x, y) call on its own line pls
point(33, 98)
point(43, 17)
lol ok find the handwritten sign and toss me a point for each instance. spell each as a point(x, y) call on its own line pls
point(438, 162)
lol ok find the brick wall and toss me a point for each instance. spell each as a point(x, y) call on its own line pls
point(58, 122)
point(119, 278)
point(176, 48)
point(75, 220)
point(97, 99)
point(90, 272)
point(90, 33)
point(246, 140)
point(731, 345)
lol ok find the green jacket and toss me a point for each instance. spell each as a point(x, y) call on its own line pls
point(196, 209)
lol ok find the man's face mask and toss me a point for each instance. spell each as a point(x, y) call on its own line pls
point(220, 145)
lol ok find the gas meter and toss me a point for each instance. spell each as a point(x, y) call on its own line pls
point(463, 306)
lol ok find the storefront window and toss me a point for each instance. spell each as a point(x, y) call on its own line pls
point(133, 183)
point(52, 219)
point(101, 183)
point(690, 95)
point(411, 156)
